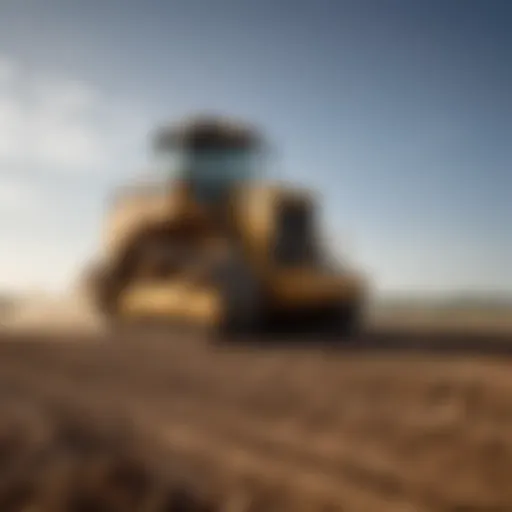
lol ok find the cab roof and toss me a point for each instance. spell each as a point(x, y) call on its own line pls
point(207, 132)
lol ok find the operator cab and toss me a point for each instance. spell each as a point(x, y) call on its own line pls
point(211, 155)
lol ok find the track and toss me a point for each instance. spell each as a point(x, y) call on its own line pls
point(382, 424)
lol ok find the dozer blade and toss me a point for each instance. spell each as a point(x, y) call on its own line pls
point(171, 302)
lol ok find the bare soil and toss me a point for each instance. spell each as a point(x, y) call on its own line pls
point(159, 421)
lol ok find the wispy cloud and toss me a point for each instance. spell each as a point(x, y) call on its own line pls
point(46, 125)
point(59, 139)
point(50, 123)
point(17, 197)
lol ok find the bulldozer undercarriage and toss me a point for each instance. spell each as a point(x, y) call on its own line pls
point(170, 285)
point(237, 322)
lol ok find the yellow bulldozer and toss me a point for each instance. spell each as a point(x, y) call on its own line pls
point(218, 244)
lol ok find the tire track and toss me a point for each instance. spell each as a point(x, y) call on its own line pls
point(239, 458)
point(325, 455)
point(395, 341)
point(213, 405)
point(227, 439)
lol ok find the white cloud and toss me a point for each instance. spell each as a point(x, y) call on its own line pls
point(50, 123)
point(65, 97)
point(65, 145)
point(48, 130)
point(17, 197)
point(53, 130)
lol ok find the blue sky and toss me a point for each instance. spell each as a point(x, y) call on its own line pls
point(398, 112)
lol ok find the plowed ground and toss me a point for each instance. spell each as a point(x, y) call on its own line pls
point(167, 422)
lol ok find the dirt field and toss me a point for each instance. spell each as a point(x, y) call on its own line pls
point(160, 422)
point(439, 319)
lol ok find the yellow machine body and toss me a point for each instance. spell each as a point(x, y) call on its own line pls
point(170, 254)
point(251, 218)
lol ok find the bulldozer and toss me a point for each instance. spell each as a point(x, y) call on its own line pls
point(217, 244)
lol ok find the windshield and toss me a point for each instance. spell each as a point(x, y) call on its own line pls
point(212, 171)
point(222, 166)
